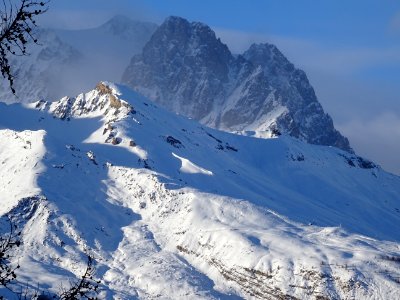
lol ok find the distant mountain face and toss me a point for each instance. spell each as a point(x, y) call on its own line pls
point(185, 68)
point(170, 207)
point(68, 61)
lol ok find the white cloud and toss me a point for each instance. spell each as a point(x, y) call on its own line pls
point(345, 97)
point(311, 55)
point(376, 138)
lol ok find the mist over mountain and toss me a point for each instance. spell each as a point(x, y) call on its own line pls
point(186, 69)
point(46, 72)
point(68, 61)
point(109, 47)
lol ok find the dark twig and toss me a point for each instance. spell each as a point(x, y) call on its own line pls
point(16, 26)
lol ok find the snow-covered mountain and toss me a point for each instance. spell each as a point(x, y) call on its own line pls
point(69, 61)
point(186, 69)
point(172, 209)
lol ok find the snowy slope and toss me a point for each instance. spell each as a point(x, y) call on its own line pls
point(172, 209)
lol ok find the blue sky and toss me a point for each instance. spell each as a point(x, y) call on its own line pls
point(333, 21)
point(350, 51)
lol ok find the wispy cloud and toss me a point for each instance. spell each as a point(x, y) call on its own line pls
point(74, 19)
point(312, 55)
point(239, 41)
point(83, 14)
point(376, 136)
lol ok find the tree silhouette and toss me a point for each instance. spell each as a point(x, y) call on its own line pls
point(7, 243)
point(84, 288)
point(16, 30)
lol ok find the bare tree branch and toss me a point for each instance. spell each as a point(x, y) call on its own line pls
point(7, 243)
point(16, 27)
point(85, 288)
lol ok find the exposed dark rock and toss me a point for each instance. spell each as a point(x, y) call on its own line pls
point(362, 163)
point(116, 141)
point(174, 142)
point(231, 148)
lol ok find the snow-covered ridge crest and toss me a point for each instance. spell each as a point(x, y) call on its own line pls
point(102, 101)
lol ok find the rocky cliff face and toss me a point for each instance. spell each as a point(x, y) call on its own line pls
point(188, 70)
point(183, 66)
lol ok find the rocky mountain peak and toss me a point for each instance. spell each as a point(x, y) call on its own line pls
point(180, 54)
point(175, 22)
point(262, 53)
point(188, 70)
point(179, 37)
point(276, 66)
point(175, 26)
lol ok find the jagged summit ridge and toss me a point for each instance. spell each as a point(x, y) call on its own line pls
point(189, 53)
point(188, 70)
point(101, 101)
